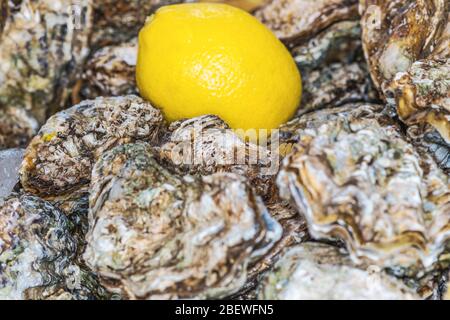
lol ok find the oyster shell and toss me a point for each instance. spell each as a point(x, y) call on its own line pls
point(154, 234)
point(118, 21)
point(59, 160)
point(355, 177)
point(38, 254)
point(111, 71)
point(43, 45)
point(17, 127)
point(296, 20)
point(333, 68)
point(407, 47)
point(341, 42)
point(206, 144)
point(396, 33)
point(314, 271)
point(335, 85)
point(422, 97)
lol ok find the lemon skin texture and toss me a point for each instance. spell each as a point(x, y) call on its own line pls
point(204, 58)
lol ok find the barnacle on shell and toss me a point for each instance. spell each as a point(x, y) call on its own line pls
point(296, 20)
point(155, 234)
point(111, 71)
point(17, 127)
point(38, 254)
point(43, 45)
point(312, 271)
point(59, 160)
point(355, 177)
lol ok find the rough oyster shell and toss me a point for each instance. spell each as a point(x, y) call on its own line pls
point(43, 45)
point(59, 160)
point(335, 85)
point(422, 97)
point(38, 254)
point(354, 177)
point(118, 21)
point(17, 127)
point(333, 68)
point(111, 71)
point(154, 234)
point(407, 45)
point(296, 20)
point(318, 271)
point(206, 144)
point(396, 33)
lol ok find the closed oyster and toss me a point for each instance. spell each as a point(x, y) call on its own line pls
point(396, 33)
point(335, 85)
point(154, 234)
point(38, 254)
point(296, 20)
point(17, 127)
point(59, 160)
point(43, 45)
point(205, 145)
point(422, 97)
point(111, 71)
point(313, 271)
point(407, 47)
point(355, 177)
point(341, 42)
point(333, 68)
point(118, 21)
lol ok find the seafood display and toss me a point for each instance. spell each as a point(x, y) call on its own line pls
point(102, 198)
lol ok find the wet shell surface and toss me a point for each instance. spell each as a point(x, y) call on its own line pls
point(155, 234)
point(38, 254)
point(296, 20)
point(314, 271)
point(354, 177)
point(59, 160)
point(43, 45)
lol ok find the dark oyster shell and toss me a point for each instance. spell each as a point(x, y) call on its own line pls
point(296, 20)
point(38, 254)
point(355, 177)
point(111, 71)
point(314, 271)
point(407, 47)
point(206, 144)
point(154, 234)
point(59, 160)
point(118, 21)
point(43, 45)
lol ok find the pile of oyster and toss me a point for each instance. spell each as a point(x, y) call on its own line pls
point(350, 201)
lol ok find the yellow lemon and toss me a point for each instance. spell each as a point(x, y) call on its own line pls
point(204, 58)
